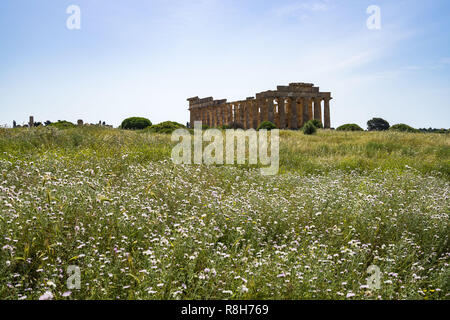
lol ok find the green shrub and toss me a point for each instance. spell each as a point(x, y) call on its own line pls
point(377, 124)
point(403, 128)
point(309, 128)
point(135, 123)
point(165, 127)
point(350, 127)
point(62, 124)
point(235, 125)
point(267, 125)
point(317, 123)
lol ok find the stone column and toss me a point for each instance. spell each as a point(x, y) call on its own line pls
point(244, 114)
point(192, 116)
point(209, 116)
point(221, 107)
point(299, 112)
point(241, 114)
point(305, 110)
point(294, 120)
point(218, 116)
point(265, 110)
point(270, 110)
point(250, 113)
point(225, 114)
point(255, 112)
point(276, 112)
point(217, 112)
point(318, 109)
point(288, 113)
point(31, 122)
point(248, 116)
point(310, 110)
point(326, 111)
point(281, 113)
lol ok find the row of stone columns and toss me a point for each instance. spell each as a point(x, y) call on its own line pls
point(286, 113)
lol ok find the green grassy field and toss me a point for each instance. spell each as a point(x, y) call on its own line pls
point(140, 227)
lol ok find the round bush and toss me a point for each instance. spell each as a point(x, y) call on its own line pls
point(62, 124)
point(403, 128)
point(377, 124)
point(266, 125)
point(165, 127)
point(309, 128)
point(135, 123)
point(350, 127)
point(317, 123)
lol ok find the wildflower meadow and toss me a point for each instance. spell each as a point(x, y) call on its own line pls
point(112, 204)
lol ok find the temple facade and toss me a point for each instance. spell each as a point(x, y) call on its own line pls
point(288, 107)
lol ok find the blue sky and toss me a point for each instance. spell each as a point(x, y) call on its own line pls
point(145, 57)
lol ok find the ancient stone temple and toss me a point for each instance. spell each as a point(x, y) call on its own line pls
point(287, 107)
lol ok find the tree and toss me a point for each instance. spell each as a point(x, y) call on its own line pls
point(135, 123)
point(403, 128)
point(309, 128)
point(266, 125)
point(165, 127)
point(349, 127)
point(377, 124)
point(62, 124)
point(317, 123)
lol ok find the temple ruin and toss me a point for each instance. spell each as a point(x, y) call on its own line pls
point(288, 107)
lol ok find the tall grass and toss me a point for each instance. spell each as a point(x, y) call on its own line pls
point(328, 150)
point(140, 227)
